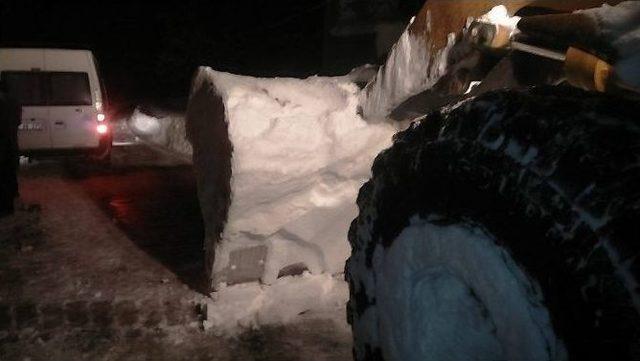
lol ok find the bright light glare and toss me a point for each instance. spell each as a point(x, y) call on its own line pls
point(98, 106)
point(102, 129)
point(101, 117)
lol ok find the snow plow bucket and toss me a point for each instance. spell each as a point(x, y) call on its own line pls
point(278, 164)
point(418, 62)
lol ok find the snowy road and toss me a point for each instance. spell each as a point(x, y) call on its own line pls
point(108, 268)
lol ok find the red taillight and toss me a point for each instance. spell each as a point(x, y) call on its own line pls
point(102, 129)
point(101, 117)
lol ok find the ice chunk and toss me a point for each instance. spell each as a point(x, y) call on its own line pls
point(251, 305)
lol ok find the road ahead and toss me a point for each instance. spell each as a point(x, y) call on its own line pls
point(153, 199)
point(109, 267)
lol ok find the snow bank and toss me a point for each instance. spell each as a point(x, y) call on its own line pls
point(279, 163)
point(289, 299)
point(163, 129)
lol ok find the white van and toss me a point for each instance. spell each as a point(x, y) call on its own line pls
point(61, 98)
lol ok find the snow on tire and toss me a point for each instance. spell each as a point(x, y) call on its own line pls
point(504, 228)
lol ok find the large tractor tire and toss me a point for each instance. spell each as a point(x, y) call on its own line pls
point(506, 228)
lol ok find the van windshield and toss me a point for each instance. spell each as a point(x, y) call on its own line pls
point(48, 88)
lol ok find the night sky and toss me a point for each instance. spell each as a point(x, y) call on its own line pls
point(148, 51)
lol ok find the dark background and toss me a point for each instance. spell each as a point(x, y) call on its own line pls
point(149, 50)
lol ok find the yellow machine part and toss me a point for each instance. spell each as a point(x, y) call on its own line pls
point(587, 71)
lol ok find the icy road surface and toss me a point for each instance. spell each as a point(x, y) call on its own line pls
point(109, 269)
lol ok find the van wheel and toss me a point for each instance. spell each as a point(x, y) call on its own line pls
point(102, 158)
point(506, 228)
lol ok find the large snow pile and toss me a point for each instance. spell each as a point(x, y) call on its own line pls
point(279, 165)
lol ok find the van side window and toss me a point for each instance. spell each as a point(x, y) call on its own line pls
point(27, 88)
point(69, 89)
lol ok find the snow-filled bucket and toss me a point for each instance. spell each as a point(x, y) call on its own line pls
point(279, 163)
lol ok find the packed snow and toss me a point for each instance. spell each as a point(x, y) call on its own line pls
point(300, 154)
point(288, 300)
point(451, 293)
